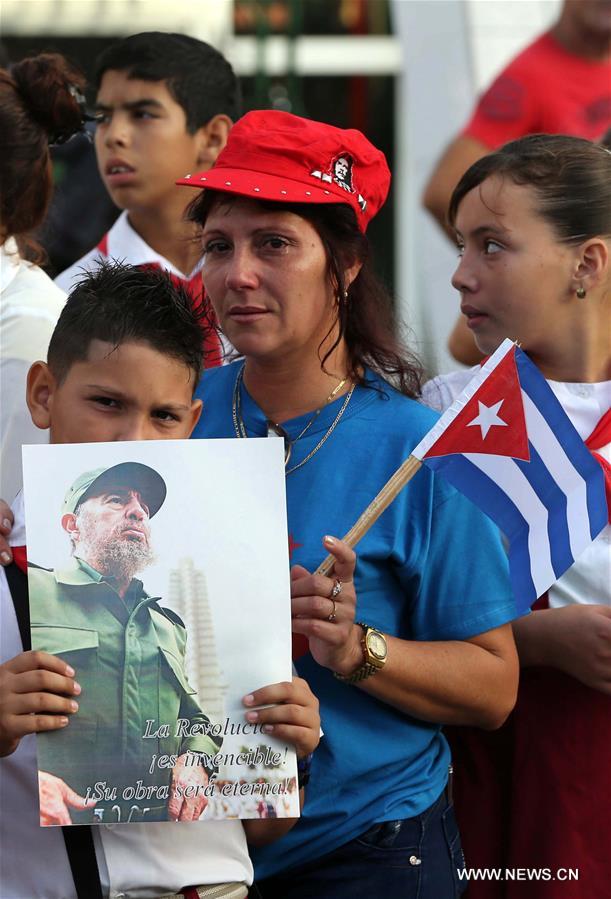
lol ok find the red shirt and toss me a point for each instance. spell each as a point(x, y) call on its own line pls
point(544, 89)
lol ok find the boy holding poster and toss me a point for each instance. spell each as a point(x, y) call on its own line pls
point(119, 326)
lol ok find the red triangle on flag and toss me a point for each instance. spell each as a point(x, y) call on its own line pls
point(492, 421)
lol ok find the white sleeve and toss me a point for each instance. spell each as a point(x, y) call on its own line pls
point(431, 395)
point(25, 334)
point(439, 393)
point(17, 426)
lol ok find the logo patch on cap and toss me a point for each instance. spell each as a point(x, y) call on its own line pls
point(340, 173)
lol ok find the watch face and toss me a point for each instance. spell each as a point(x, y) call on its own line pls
point(376, 644)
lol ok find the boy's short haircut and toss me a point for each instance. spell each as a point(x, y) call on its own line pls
point(123, 304)
point(198, 77)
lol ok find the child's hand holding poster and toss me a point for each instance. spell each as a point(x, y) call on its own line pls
point(159, 572)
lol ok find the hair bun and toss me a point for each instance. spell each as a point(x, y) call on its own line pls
point(49, 86)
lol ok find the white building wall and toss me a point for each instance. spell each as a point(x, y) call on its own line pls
point(451, 50)
point(498, 29)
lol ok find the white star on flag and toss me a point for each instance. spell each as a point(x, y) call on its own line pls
point(487, 417)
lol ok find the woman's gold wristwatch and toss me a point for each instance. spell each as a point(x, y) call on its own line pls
point(375, 652)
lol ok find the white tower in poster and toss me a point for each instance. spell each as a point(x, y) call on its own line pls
point(188, 595)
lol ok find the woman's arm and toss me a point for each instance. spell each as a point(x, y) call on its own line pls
point(471, 681)
point(575, 639)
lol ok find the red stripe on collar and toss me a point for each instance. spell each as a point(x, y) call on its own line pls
point(20, 557)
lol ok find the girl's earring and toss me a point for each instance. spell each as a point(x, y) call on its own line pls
point(580, 293)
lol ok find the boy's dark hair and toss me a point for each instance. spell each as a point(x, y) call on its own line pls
point(198, 77)
point(121, 303)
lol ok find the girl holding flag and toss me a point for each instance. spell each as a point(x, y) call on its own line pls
point(533, 225)
point(416, 632)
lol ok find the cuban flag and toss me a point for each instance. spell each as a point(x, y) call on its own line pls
point(507, 444)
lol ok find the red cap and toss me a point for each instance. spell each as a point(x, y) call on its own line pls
point(273, 155)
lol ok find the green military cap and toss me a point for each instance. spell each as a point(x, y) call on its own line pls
point(149, 484)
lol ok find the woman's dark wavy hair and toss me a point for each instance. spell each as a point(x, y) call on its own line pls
point(570, 176)
point(35, 103)
point(365, 310)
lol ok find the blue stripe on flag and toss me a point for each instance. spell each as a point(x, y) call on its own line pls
point(580, 456)
point(519, 571)
point(554, 499)
point(476, 485)
point(598, 511)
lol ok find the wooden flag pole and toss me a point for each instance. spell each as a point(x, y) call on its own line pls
point(375, 508)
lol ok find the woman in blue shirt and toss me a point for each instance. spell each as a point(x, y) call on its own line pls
point(415, 633)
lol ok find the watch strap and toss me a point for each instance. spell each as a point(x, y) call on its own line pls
point(363, 671)
point(367, 669)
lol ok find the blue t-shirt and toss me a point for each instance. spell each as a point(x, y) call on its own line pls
point(431, 568)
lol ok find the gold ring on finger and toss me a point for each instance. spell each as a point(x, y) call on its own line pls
point(332, 616)
point(337, 589)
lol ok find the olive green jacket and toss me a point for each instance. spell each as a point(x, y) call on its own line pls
point(129, 657)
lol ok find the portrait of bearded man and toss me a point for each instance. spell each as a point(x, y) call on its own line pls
point(128, 652)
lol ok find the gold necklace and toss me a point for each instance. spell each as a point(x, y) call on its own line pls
point(279, 430)
point(240, 428)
